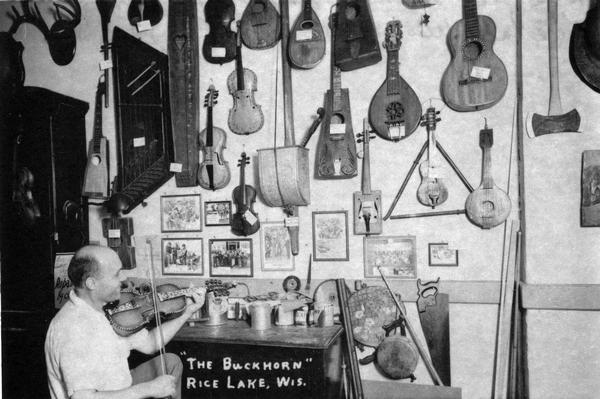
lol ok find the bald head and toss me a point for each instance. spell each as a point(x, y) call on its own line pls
point(89, 261)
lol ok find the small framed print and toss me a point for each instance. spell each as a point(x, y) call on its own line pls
point(396, 255)
point(330, 235)
point(217, 213)
point(230, 257)
point(180, 213)
point(182, 257)
point(442, 255)
point(276, 249)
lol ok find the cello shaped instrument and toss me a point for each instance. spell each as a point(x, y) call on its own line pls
point(213, 171)
point(395, 109)
point(244, 221)
point(307, 40)
point(144, 10)
point(219, 44)
point(245, 116)
point(488, 205)
point(476, 78)
point(261, 26)
point(336, 150)
point(432, 191)
point(367, 202)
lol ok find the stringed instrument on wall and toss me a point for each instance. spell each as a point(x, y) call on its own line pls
point(245, 220)
point(432, 191)
point(261, 25)
point(245, 116)
point(356, 43)
point(367, 202)
point(395, 109)
point(144, 10)
point(96, 180)
point(213, 171)
point(476, 78)
point(488, 205)
point(220, 43)
point(307, 40)
point(336, 149)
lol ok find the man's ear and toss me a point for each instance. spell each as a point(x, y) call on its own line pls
point(90, 283)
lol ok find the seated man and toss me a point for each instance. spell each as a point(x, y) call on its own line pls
point(86, 359)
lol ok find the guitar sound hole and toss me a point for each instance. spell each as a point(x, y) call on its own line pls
point(352, 11)
point(473, 50)
point(337, 119)
point(258, 7)
point(487, 207)
point(96, 160)
point(395, 112)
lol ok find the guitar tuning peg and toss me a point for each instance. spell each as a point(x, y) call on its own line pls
point(437, 112)
point(359, 140)
point(438, 119)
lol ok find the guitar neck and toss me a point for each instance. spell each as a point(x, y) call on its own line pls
point(209, 127)
point(98, 121)
point(243, 180)
point(431, 146)
point(336, 73)
point(487, 181)
point(307, 10)
point(393, 73)
point(471, 18)
point(366, 167)
point(239, 69)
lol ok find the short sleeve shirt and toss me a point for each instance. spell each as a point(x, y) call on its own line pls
point(83, 352)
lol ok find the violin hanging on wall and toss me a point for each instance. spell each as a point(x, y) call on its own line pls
point(261, 26)
point(432, 191)
point(307, 40)
point(220, 43)
point(144, 10)
point(245, 116)
point(213, 172)
point(395, 109)
point(244, 221)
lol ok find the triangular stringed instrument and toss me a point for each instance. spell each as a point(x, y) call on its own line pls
point(96, 181)
point(245, 220)
point(367, 202)
point(432, 191)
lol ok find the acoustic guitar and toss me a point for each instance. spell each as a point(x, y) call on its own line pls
point(488, 205)
point(476, 78)
point(219, 44)
point(244, 221)
point(307, 40)
point(395, 109)
point(261, 25)
point(432, 191)
point(95, 181)
point(336, 149)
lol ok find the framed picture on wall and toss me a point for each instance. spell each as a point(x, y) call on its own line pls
point(330, 235)
point(182, 257)
point(276, 249)
point(440, 254)
point(396, 255)
point(180, 213)
point(217, 213)
point(230, 257)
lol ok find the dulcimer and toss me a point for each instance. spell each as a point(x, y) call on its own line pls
point(245, 220)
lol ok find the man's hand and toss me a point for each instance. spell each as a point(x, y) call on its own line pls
point(195, 303)
point(162, 386)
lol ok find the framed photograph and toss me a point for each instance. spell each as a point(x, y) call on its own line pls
point(182, 256)
point(442, 255)
point(330, 235)
point(230, 257)
point(276, 249)
point(180, 213)
point(396, 255)
point(217, 213)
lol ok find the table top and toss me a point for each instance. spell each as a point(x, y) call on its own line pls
point(240, 332)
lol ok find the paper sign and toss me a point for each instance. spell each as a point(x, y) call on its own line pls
point(62, 284)
point(396, 132)
point(218, 52)
point(337, 128)
point(292, 221)
point(175, 167)
point(480, 73)
point(337, 167)
point(139, 141)
point(250, 218)
point(106, 64)
point(144, 25)
point(114, 233)
point(303, 34)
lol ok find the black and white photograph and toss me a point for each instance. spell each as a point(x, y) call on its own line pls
point(395, 255)
point(276, 251)
point(182, 256)
point(217, 213)
point(180, 213)
point(231, 257)
point(330, 235)
point(440, 254)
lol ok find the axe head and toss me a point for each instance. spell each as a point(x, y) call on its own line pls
point(564, 123)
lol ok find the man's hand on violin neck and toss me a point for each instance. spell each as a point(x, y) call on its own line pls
point(194, 303)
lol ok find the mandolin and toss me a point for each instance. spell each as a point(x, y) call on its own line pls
point(307, 40)
point(213, 171)
point(355, 44)
point(395, 109)
point(144, 10)
point(476, 78)
point(220, 43)
point(432, 191)
point(245, 116)
point(367, 202)
point(336, 149)
point(95, 181)
point(488, 205)
point(244, 221)
point(261, 26)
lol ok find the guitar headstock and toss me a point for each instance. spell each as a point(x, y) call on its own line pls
point(430, 119)
point(486, 137)
point(393, 35)
point(244, 160)
point(210, 99)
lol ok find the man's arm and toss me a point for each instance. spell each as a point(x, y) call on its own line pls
point(159, 387)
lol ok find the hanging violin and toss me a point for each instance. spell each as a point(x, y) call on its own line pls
point(144, 10)
point(245, 221)
point(219, 44)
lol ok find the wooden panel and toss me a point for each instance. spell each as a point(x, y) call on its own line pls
point(561, 296)
point(399, 390)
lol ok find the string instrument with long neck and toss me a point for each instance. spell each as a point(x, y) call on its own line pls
point(476, 78)
point(336, 149)
point(245, 220)
point(488, 205)
point(96, 181)
point(245, 116)
point(307, 40)
point(105, 8)
point(213, 171)
point(261, 26)
point(395, 109)
point(367, 202)
point(432, 191)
